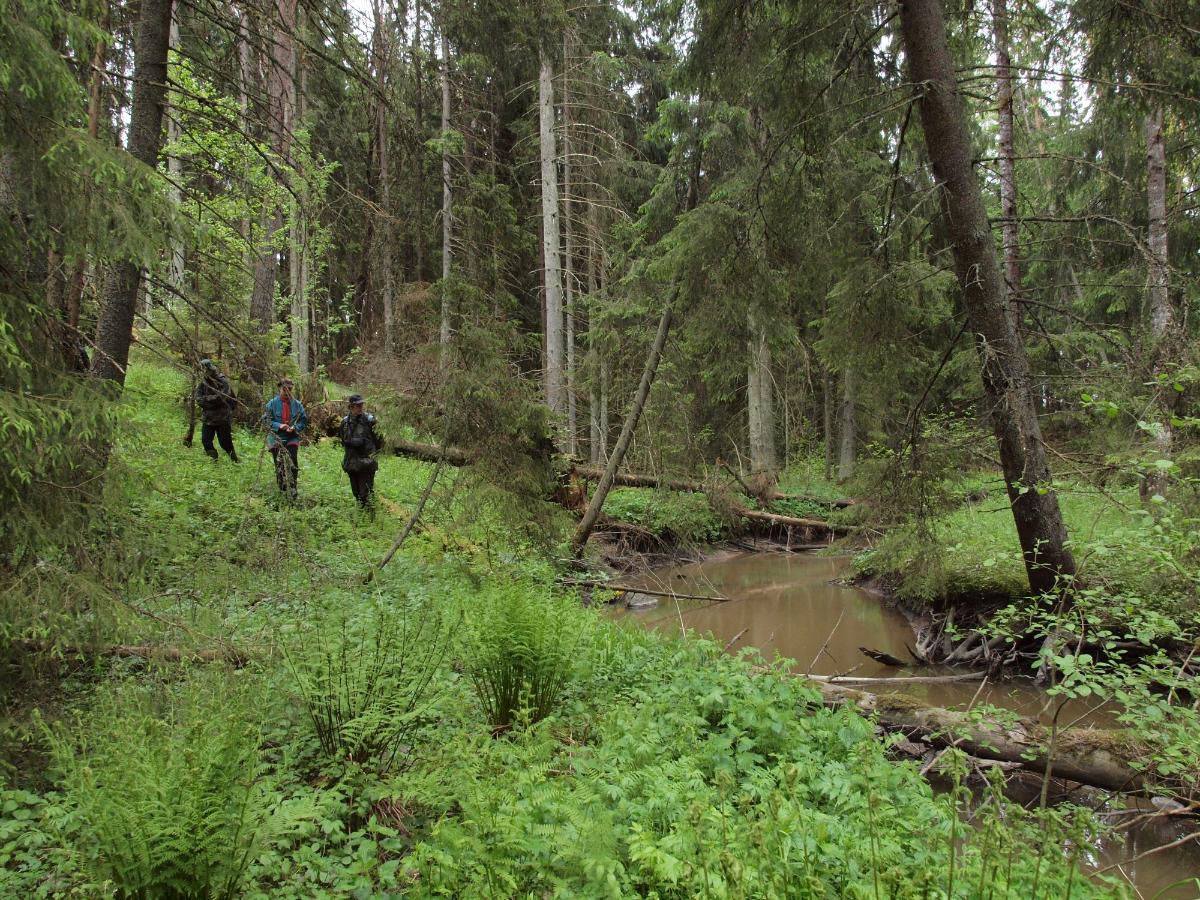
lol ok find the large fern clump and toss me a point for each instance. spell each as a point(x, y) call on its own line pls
point(521, 653)
point(365, 675)
point(167, 783)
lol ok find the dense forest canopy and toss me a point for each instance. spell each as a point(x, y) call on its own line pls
point(679, 269)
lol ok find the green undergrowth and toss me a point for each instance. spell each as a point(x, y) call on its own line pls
point(673, 516)
point(458, 726)
point(1140, 563)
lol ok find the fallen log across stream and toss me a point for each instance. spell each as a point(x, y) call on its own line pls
point(1102, 758)
point(456, 456)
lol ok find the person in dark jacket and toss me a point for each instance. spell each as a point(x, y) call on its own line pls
point(285, 419)
point(361, 442)
point(214, 396)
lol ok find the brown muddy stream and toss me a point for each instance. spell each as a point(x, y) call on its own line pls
point(787, 604)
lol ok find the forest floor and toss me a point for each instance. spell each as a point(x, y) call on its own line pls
point(459, 726)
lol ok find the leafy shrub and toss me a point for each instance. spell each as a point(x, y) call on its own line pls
point(520, 655)
point(683, 517)
point(365, 676)
point(167, 786)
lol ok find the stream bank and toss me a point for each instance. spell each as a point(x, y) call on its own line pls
point(790, 605)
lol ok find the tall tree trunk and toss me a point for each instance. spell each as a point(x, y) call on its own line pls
point(760, 402)
point(569, 253)
point(74, 298)
point(384, 249)
point(827, 421)
point(298, 245)
point(555, 389)
point(1162, 314)
point(1005, 368)
point(596, 504)
point(604, 373)
point(447, 206)
point(593, 362)
point(849, 445)
point(281, 104)
point(175, 264)
point(1008, 175)
point(419, 148)
point(114, 330)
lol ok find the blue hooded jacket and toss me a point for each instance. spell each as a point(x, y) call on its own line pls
point(273, 417)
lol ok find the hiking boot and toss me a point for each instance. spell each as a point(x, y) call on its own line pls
point(212, 454)
point(233, 457)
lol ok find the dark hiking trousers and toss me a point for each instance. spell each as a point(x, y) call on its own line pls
point(287, 468)
point(362, 484)
point(223, 432)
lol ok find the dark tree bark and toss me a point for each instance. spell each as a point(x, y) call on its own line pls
point(1005, 367)
point(1008, 172)
point(114, 329)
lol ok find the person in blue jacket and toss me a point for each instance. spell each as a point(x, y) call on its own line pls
point(285, 418)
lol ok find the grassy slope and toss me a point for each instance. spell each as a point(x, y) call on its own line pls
point(668, 768)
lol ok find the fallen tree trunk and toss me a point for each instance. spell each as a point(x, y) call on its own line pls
point(454, 456)
point(1099, 757)
point(636, 479)
point(230, 655)
point(781, 521)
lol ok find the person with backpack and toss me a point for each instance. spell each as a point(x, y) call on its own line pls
point(285, 419)
point(361, 442)
point(214, 396)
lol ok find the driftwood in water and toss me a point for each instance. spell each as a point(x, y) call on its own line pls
point(1098, 757)
point(898, 679)
point(883, 657)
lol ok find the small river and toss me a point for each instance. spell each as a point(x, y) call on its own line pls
point(789, 604)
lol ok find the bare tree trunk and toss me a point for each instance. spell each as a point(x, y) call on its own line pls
point(827, 423)
point(419, 149)
point(447, 205)
point(593, 264)
point(760, 400)
point(114, 330)
point(1005, 368)
point(384, 250)
point(555, 390)
point(1008, 176)
point(1162, 314)
point(174, 174)
point(849, 446)
point(596, 504)
point(298, 249)
point(281, 104)
point(569, 254)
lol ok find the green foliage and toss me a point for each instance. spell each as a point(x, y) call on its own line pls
point(364, 673)
point(712, 782)
point(166, 782)
point(520, 653)
point(676, 517)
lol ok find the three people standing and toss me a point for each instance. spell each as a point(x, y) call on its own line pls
point(285, 418)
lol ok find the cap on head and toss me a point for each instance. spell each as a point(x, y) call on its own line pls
point(355, 399)
point(207, 364)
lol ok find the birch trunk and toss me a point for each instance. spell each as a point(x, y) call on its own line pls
point(1162, 314)
point(1005, 368)
point(554, 382)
